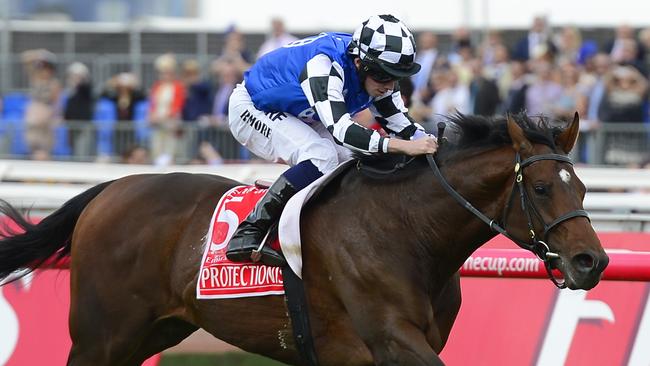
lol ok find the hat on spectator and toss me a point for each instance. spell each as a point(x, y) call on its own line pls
point(45, 59)
point(127, 79)
point(77, 68)
point(191, 66)
point(166, 62)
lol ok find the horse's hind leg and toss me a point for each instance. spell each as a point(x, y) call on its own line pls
point(113, 330)
point(128, 346)
point(164, 334)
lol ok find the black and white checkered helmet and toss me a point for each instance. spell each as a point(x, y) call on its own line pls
point(384, 41)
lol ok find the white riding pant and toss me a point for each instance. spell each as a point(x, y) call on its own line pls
point(281, 137)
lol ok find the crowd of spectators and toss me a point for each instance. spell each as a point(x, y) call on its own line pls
point(554, 73)
point(550, 72)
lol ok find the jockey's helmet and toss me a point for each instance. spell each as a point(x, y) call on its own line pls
point(386, 48)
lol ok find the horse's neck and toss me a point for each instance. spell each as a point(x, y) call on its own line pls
point(454, 232)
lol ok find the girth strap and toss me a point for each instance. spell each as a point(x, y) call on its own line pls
point(299, 314)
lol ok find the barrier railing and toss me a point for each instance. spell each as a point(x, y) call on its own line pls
point(110, 140)
point(624, 265)
point(622, 144)
point(44, 186)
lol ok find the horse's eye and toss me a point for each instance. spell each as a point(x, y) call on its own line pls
point(540, 190)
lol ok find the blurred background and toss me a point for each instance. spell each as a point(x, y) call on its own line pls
point(81, 81)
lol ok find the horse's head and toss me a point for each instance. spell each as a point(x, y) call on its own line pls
point(551, 195)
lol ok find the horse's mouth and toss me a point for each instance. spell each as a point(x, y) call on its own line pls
point(573, 277)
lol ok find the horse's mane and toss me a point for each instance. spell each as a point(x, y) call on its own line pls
point(469, 135)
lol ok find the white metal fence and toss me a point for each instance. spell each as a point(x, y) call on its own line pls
point(618, 199)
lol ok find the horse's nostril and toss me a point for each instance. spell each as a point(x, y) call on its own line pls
point(583, 262)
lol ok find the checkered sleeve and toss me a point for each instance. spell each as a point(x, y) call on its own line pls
point(392, 114)
point(322, 82)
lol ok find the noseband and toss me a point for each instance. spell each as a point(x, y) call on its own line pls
point(537, 246)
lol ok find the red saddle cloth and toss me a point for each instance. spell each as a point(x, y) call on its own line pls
point(220, 278)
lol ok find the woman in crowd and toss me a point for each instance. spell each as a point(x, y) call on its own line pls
point(41, 113)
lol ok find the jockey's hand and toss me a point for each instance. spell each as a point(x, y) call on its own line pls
point(424, 145)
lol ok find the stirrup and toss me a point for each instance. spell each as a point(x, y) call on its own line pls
point(266, 254)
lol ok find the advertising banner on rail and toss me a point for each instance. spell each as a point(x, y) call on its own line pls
point(507, 321)
point(503, 321)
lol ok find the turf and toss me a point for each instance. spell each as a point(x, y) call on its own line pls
point(224, 359)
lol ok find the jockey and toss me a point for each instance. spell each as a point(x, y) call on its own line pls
point(295, 103)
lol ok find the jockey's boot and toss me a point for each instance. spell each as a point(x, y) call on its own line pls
point(252, 230)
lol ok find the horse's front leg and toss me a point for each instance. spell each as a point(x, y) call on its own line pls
point(402, 343)
point(398, 330)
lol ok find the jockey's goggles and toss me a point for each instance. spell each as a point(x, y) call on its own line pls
point(377, 74)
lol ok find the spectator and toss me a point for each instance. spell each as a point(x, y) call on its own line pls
point(227, 76)
point(425, 94)
point(602, 64)
point(625, 95)
point(615, 47)
point(198, 104)
point(41, 115)
point(78, 97)
point(462, 56)
point(572, 98)
point(426, 56)
point(568, 44)
point(124, 90)
point(451, 97)
point(515, 101)
point(483, 92)
point(166, 102)
point(499, 70)
point(234, 49)
point(422, 102)
point(78, 107)
point(536, 42)
point(460, 38)
point(624, 101)
point(489, 48)
point(644, 40)
point(276, 39)
point(207, 155)
point(543, 92)
point(136, 155)
point(628, 56)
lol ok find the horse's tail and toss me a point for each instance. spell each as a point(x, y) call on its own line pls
point(33, 244)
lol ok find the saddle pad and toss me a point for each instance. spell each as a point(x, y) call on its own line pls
point(289, 226)
point(220, 278)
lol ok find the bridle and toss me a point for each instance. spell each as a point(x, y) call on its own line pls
point(537, 246)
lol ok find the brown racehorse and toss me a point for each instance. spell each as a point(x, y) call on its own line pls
point(381, 252)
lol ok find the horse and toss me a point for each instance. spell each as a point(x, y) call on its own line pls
point(381, 251)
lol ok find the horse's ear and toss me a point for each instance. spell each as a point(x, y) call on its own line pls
point(519, 141)
point(567, 138)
